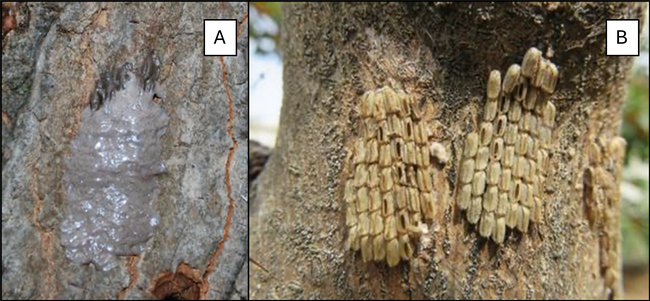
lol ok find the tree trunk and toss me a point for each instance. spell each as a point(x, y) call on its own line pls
point(439, 56)
point(52, 55)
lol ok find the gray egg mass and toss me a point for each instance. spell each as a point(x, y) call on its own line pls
point(110, 173)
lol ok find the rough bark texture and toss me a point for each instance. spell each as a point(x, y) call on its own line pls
point(52, 53)
point(442, 53)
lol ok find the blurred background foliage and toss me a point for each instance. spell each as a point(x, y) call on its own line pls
point(265, 37)
point(266, 17)
point(634, 187)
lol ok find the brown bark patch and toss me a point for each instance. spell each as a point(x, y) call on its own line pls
point(182, 285)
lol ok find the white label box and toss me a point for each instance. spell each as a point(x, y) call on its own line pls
point(220, 37)
point(623, 37)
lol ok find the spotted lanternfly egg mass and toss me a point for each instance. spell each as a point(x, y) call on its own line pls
point(111, 174)
point(600, 186)
point(505, 161)
point(389, 192)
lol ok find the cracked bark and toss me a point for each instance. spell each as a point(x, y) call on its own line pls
point(443, 53)
point(52, 55)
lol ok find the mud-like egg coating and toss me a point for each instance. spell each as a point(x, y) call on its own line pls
point(110, 172)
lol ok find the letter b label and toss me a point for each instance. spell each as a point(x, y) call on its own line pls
point(620, 37)
point(623, 37)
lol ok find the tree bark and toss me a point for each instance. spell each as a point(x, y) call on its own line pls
point(52, 54)
point(442, 54)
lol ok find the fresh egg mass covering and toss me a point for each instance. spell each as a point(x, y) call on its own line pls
point(110, 174)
